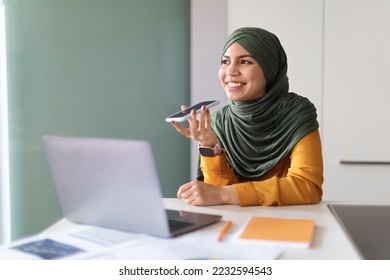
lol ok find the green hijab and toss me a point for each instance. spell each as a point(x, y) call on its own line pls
point(258, 134)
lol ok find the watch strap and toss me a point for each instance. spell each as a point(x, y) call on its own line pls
point(209, 151)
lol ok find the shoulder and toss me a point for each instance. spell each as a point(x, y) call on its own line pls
point(297, 99)
point(309, 141)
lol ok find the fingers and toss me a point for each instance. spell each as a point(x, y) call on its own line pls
point(202, 120)
point(189, 192)
point(207, 119)
point(182, 130)
point(198, 130)
point(200, 193)
point(194, 124)
point(182, 192)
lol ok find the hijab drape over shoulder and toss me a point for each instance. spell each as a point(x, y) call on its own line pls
point(258, 134)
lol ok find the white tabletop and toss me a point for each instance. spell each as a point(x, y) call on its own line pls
point(329, 243)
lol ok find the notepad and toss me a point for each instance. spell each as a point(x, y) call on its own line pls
point(279, 231)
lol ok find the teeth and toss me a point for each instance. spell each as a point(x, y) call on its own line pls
point(231, 84)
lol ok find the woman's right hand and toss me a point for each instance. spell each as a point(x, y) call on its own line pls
point(198, 130)
point(199, 193)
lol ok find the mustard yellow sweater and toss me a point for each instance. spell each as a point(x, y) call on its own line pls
point(295, 180)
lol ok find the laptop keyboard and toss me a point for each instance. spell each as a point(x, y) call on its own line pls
point(175, 225)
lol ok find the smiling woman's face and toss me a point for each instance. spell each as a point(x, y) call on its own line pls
point(240, 75)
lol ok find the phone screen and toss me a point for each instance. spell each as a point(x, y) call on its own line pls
point(183, 115)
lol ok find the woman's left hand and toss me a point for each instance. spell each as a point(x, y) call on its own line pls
point(202, 194)
point(199, 130)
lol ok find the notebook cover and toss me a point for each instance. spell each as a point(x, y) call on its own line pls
point(279, 231)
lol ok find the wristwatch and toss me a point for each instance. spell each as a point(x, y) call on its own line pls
point(209, 151)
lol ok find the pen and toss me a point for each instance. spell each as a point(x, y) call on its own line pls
point(224, 230)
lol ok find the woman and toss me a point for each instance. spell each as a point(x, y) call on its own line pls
point(264, 147)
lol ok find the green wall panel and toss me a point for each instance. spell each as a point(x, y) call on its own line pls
point(92, 68)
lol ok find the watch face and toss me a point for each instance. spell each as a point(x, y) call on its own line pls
point(207, 152)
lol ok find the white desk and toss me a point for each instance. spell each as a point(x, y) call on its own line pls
point(329, 242)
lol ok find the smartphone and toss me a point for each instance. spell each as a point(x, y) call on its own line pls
point(185, 114)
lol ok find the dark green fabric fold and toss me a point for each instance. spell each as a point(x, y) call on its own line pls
point(258, 134)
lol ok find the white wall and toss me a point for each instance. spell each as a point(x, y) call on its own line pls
point(208, 34)
point(356, 101)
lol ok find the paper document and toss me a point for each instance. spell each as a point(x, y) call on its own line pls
point(89, 242)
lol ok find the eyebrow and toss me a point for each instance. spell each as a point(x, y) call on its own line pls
point(241, 56)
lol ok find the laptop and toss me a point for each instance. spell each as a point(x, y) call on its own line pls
point(368, 227)
point(114, 183)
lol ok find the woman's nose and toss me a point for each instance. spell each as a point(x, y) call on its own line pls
point(232, 70)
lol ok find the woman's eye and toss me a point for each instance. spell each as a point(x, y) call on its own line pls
point(246, 62)
point(224, 61)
